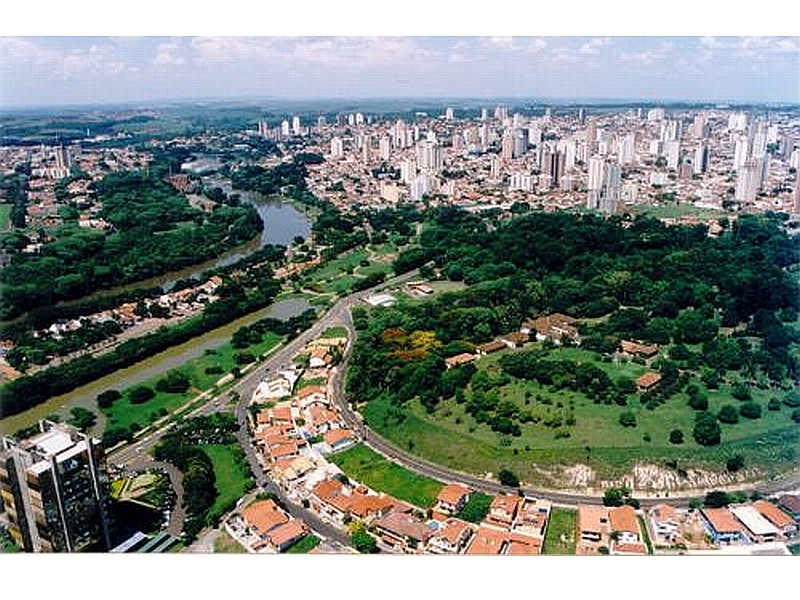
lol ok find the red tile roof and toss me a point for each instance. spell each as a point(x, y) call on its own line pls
point(773, 514)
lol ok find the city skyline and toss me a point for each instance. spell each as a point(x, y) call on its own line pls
point(61, 71)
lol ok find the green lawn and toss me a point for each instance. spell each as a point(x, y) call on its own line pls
point(476, 508)
point(233, 478)
point(795, 549)
point(560, 535)
point(304, 545)
point(373, 470)
point(334, 332)
point(122, 413)
point(5, 216)
point(645, 534)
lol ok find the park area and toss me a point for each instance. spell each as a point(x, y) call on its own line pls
point(232, 476)
point(564, 426)
point(373, 470)
point(561, 530)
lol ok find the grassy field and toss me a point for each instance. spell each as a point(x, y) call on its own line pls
point(304, 545)
point(373, 470)
point(122, 413)
point(452, 437)
point(476, 508)
point(674, 211)
point(5, 216)
point(334, 332)
point(232, 477)
point(560, 536)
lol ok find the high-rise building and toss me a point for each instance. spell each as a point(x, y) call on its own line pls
point(448, 114)
point(55, 489)
point(656, 114)
point(520, 181)
point(581, 116)
point(737, 121)
point(296, 125)
point(553, 163)
point(672, 149)
point(385, 148)
point(429, 157)
point(605, 180)
point(747, 181)
point(507, 149)
point(321, 122)
point(422, 184)
point(740, 153)
point(337, 147)
point(627, 149)
point(797, 194)
point(495, 168)
point(285, 130)
point(359, 119)
point(484, 114)
point(701, 159)
point(408, 171)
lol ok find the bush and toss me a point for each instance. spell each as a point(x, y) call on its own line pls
point(627, 419)
point(774, 404)
point(676, 436)
point(728, 414)
point(175, 382)
point(735, 463)
point(706, 430)
point(796, 415)
point(107, 398)
point(141, 394)
point(740, 391)
point(750, 410)
point(508, 478)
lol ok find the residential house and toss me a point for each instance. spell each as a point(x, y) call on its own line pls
point(322, 499)
point(503, 510)
point(593, 523)
point(452, 537)
point(272, 526)
point(516, 339)
point(555, 327)
point(665, 522)
point(452, 498)
point(487, 540)
point(310, 395)
point(321, 419)
point(791, 504)
point(284, 536)
point(339, 439)
point(459, 359)
point(631, 348)
point(785, 523)
point(490, 347)
point(532, 517)
point(722, 526)
point(757, 527)
point(403, 531)
point(319, 357)
point(648, 381)
point(626, 536)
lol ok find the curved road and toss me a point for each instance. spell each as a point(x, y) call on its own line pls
point(176, 479)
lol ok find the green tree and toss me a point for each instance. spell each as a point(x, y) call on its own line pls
point(107, 398)
point(627, 419)
point(362, 540)
point(750, 410)
point(716, 499)
point(141, 394)
point(735, 463)
point(706, 430)
point(728, 414)
point(508, 478)
point(676, 436)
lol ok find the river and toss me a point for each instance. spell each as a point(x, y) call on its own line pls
point(282, 223)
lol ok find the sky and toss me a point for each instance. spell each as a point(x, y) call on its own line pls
point(55, 71)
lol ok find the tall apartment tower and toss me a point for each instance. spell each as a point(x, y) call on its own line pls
point(747, 181)
point(701, 158)
point(797, 194)
point(55, 490)
point(554, 167)
point(605, 182)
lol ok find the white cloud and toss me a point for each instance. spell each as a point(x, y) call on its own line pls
point(167, 55)
point(594, 45)
point(536, 44)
